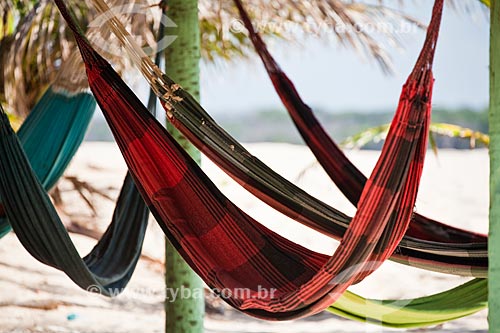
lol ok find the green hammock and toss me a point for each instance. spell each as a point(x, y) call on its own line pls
point(52, 133)
point(110, 264)
point(452, 304)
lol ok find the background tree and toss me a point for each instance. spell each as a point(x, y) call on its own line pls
point(182, 65)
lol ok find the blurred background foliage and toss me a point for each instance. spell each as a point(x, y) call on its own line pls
point(34, 41)
point(35, 45)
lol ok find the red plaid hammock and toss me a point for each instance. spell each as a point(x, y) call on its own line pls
point(230, 250)
point(439, 237)
point(468, 259)
point(340, 169)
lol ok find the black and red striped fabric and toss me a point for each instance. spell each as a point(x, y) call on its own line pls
point(466, 258)
point(340, 169)
point(188, 116)
point(233, 252)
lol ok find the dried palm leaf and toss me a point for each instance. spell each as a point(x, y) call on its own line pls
point(34, 42)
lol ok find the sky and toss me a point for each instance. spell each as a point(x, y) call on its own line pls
point(335, 79)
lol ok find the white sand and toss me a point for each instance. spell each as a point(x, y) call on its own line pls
point(454, 190)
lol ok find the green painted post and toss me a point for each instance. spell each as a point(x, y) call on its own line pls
point(494, 124)
point(182, 57)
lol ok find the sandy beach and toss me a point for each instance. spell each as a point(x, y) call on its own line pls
point(37, 298)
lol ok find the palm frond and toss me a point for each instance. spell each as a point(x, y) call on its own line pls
point(35, 44)
point(38, 46)
point(370, 29)
point(379, 133)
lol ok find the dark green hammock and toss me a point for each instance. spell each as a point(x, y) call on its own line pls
point(109, 266)
point(52, 133)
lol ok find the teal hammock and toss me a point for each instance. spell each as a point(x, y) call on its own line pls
point(52, 133)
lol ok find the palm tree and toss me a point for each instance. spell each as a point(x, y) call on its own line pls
point(182, 64)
